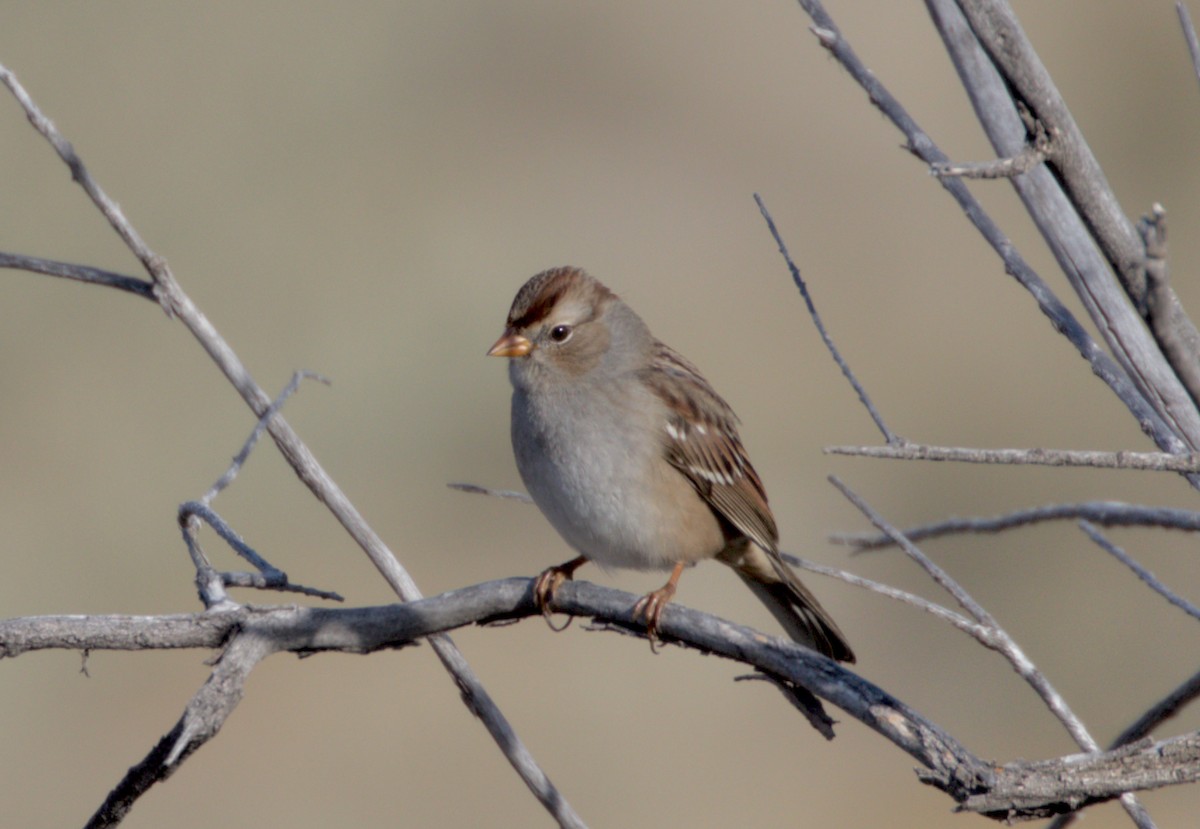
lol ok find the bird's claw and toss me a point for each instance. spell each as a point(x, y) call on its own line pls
point(544, 588)
point(650, 608)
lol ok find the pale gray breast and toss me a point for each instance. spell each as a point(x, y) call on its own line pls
point(582, 456)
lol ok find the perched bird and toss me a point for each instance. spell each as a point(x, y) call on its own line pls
point(634, 458)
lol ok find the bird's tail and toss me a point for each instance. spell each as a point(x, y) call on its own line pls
point(789, 601)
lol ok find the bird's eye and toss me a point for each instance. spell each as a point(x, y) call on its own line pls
point(560, 333)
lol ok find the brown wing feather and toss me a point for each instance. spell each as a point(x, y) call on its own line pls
point(702, 442)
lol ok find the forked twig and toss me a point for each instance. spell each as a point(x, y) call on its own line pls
point(212, 583)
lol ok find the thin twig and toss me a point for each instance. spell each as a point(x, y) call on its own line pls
point(79, 273)
point(1144, 461)
point(1189, 35)
point(940, 576)
point(993, 637)
point(239, 459)
point(154, 264)
point(1141, 572)
point(212, 583)
point(888, 434)
point(945, 614)
point(477, 489)
point(1029, 157)
point(1162, 711)
point(1105, 513)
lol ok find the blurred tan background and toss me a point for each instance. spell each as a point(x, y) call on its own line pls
point(359, 190)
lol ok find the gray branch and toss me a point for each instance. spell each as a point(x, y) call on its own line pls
point(1145, 461)
point(1010, 791)
point(1106, 513)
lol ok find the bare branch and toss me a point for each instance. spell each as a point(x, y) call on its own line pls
point(1011, 791)
point(203, 717)
point(992, 635)
point(1152, 765)
point(1141, 572)
point(946, 615)
point(212, 583)
point(1015, 165)
point(1144, 461)
point(79, 273)
point(1159, 713)
point(1105, 513)
point(1029, 157)
point(863, 397)
point(1189, 35)
point(996, 638)
point(476, 489)
point(940, 576)
point(239, 459)
point(1162, 711)
point(155, 265)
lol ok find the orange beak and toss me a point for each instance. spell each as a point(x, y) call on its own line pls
point(510, 344)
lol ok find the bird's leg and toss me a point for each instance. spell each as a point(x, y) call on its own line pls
point(549, 581)
point(650, 606)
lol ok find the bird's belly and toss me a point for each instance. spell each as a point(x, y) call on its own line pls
point(606, 513)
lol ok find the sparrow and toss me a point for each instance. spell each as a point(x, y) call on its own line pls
point(635, 459)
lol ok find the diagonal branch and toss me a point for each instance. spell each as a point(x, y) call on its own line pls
point(202, 719)
point(863, 397)
point(1141, 572)
point(996, 638)
point(992, 635)
point(1189, 35)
